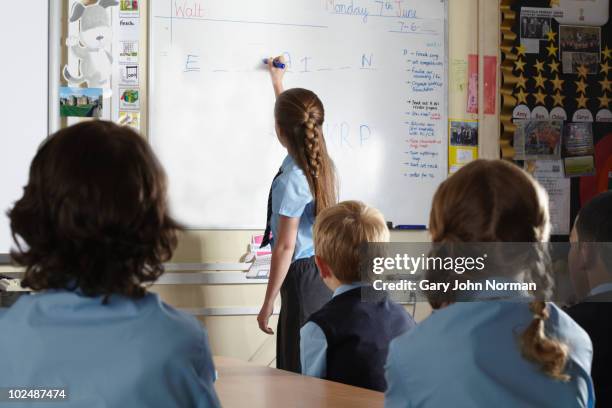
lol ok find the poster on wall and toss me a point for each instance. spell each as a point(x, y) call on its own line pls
point(81, 102)
point(535, 24)
point(580, 46)
point(578, 150)
point(538, 140)
point(549, 173)
point(463, 143)
point(89, 43)
point(129, 99)
point(127, 110)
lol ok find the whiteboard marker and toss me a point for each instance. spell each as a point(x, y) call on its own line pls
point(275, 63)
point(410, 227)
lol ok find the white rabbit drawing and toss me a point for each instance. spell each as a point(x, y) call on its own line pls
point(95, 34)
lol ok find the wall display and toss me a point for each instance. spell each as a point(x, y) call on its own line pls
point(549, 174)
point(570, 81)
point(463, 143)
point(578, 150)
point(91, 46)
point(81, 102)
point(566, 76)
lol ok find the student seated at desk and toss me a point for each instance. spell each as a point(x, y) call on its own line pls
point(590, 265)
point(347, 340)
point(92, 229)
point(490, 348)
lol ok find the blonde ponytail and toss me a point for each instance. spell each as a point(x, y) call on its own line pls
point(550, 354)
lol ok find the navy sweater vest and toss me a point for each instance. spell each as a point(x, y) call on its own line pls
point(358, 335)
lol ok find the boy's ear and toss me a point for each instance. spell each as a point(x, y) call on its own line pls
point(324, 269)
point(588, 254)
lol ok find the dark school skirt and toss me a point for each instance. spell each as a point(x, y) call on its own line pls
point(302, 293)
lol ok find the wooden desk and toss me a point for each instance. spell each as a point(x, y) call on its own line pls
point(241, 384)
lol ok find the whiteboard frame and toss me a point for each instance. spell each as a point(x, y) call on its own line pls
point(151, 91)
point(54, 35)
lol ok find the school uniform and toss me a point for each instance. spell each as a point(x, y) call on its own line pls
point(593, 315)
point(347, 340)
point(468, 355)
point(126, 353)
point(303, 292)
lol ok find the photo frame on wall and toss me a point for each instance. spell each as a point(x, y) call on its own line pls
point(581, 12)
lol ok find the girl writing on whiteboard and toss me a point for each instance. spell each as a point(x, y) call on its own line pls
point(305, 185)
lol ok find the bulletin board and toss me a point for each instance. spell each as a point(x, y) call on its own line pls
point(557, 68)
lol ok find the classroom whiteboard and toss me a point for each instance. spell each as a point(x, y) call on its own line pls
point(23, 106)
point(378, 66)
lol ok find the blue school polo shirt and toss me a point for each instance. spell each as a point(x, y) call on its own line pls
point(127, 353)
point(468, 355)
point(291, 197)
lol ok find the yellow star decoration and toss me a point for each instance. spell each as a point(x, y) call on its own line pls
point(539, 80)
point(557, 83)
point(539, 65)
point(521, 50)
point(558, 99)
point(605, 68)
point(606, 85)
point(607, 53)
point(551, 35)
point(519, 65)
point(581, 86)
point(582, 101)
point(540, 97)
point(583, 71)
point(552, 50)
point(522, 82)
point(604, 101)
point(521, 97)
point(554, 66)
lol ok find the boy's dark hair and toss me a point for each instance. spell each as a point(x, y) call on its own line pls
point(594, 223)
point(93, 215)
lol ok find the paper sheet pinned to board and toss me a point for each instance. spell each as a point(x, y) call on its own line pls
point(549, 174)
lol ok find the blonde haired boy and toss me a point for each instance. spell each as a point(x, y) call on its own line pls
point(347, 340)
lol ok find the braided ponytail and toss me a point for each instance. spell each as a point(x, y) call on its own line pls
point(499, 202)
point(299, 115)
point(549, 354)
point(311, 142)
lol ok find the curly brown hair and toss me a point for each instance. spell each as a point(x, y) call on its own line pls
point(94, 213)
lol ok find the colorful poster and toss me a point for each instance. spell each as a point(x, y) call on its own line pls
point(128, 8)
point(463, 143)
point(129, 99)
point(578, 150)
point(538, 140)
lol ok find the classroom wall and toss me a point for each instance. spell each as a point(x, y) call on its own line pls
point(238, 335)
